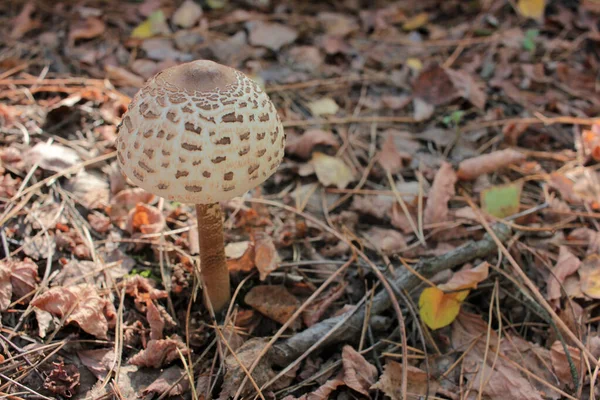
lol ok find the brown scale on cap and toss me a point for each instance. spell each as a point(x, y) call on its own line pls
point(194, 112)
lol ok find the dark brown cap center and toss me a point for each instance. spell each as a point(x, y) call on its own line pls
point(199, 76)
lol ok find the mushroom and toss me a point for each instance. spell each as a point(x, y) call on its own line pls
point(201, 133)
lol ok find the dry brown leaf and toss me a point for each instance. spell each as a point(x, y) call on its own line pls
point(159, 353)
point(390, 382)
point(98, 361)
point(166, 383)
point(155, 320)
point(315, 311)
point(270, 35)
point(5, 286)
point(561, 365)
point(474, 167)
point(466, 278)
point(81, 305)
point(141, 289)
point(21, 277)
point(52, 157)
point(273, 301)
point(266, 257)
point(88, 29)
point(303, 145)
point(122, 77)
point(99, 223)
point(566, 265)
point(389, 157)
point(587, 235)
point(468, 89)
point(145, 219)
point(589, 274)
point(62, 379)
point(377, 206)
point(8, 186)
point(442, 190)
point(359, 374)
point(388, 241)
point(331, 170)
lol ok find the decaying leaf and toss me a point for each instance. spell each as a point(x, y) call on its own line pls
point(81, 305)
point(359, 374)
point(141, 289)
point(533, 9)
point(122, 203)
point(389, 157)
point(53, 157)
point(17, 279)
point(98, 361)
point(388, 241)
point(187, 15)
point(589, 274)
point(331, 170)
point(273, 301)
point(155, 320)
point(159, 353)
point(86, 29)
point(474, 167)
point(442, 190)
point(270, 35)
point(303, 145)
point(266, 257)
point(502, 200)
point(390, 382)
point(166, 383)
point(62, 379)
point(566, 265)
point(561, 364)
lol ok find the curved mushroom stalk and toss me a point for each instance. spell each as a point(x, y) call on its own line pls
point(213, 264)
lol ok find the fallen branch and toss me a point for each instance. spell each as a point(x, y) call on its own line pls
point(285, 352)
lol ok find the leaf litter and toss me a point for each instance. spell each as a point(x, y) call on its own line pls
point(469, 108)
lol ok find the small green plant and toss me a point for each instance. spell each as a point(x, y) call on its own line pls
point(146, 273)
point(529, 40)
point(453, 119)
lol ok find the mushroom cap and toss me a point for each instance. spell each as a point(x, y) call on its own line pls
point(200, 133)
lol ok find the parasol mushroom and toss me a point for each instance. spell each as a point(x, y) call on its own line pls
point(201, 133)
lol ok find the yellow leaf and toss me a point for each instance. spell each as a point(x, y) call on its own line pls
point(154, 24)
point(439, 309)
point(323, 106)
point(533, 9)
point(415, 64)
point(331, 170)
point(416, 22)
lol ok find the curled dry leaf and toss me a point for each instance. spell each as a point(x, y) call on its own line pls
point(275, 302)
point(173, 382)
point(359, 374)
point(62, 379)
point(467, 278)
point(474, 167)
point(125, 200)
point(331, 170)
point(145, 219)
point(240, 256)
point(390, 381)
point(155, 320)
point(87, 29)
point(303, 145)
point(141, 289)
point(388, 241)
point(82, 305)
point(561, 364)
point(567, 264)
point(98, 361)
point(5, 286)
point(159, 353)
point(442, 190)
point(17, 279)
point(266, 257)
point(389, 157)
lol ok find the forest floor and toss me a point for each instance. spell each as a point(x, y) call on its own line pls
point(432, 232)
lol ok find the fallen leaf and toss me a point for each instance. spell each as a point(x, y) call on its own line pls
point(187, 15)
point(337, 24)
point(270, 35)
point(422, 109)
point(434, 86)
point(467, 87)
point(323, 106)
point(389, 157)
point(145, 219)
point(155, 24)
point(442, 190)
point(474, 167)
point(377, 206)
point(125, 200)
point(438, 309)
point(5, 286)
point(319, 307)
point(62, 379)
point(160, 353)
point(237, 262)
point(121, 77)
point(502, 200)
point(162, 49)
point(87, 29)
point(81, 305)
point(173, 381)
point(23, 276)
point(416, 22)
point(561, 364)
point(533, 9)
point(303, 145)
point(591, 141)
point(266, 257)
point(359, 374)
point(566, 265)
point(388, 241)
point(390, 382)
point(589, 274)
point(89, 188)
point(8, 186)
point(587, 235)
point(331, 170)
point(52, 157)
point(98, 361)
point(273, 301)
point(155, 320)
point(99, 223)
point(141, 289)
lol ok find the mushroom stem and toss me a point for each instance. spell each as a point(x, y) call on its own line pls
point(213, 264)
